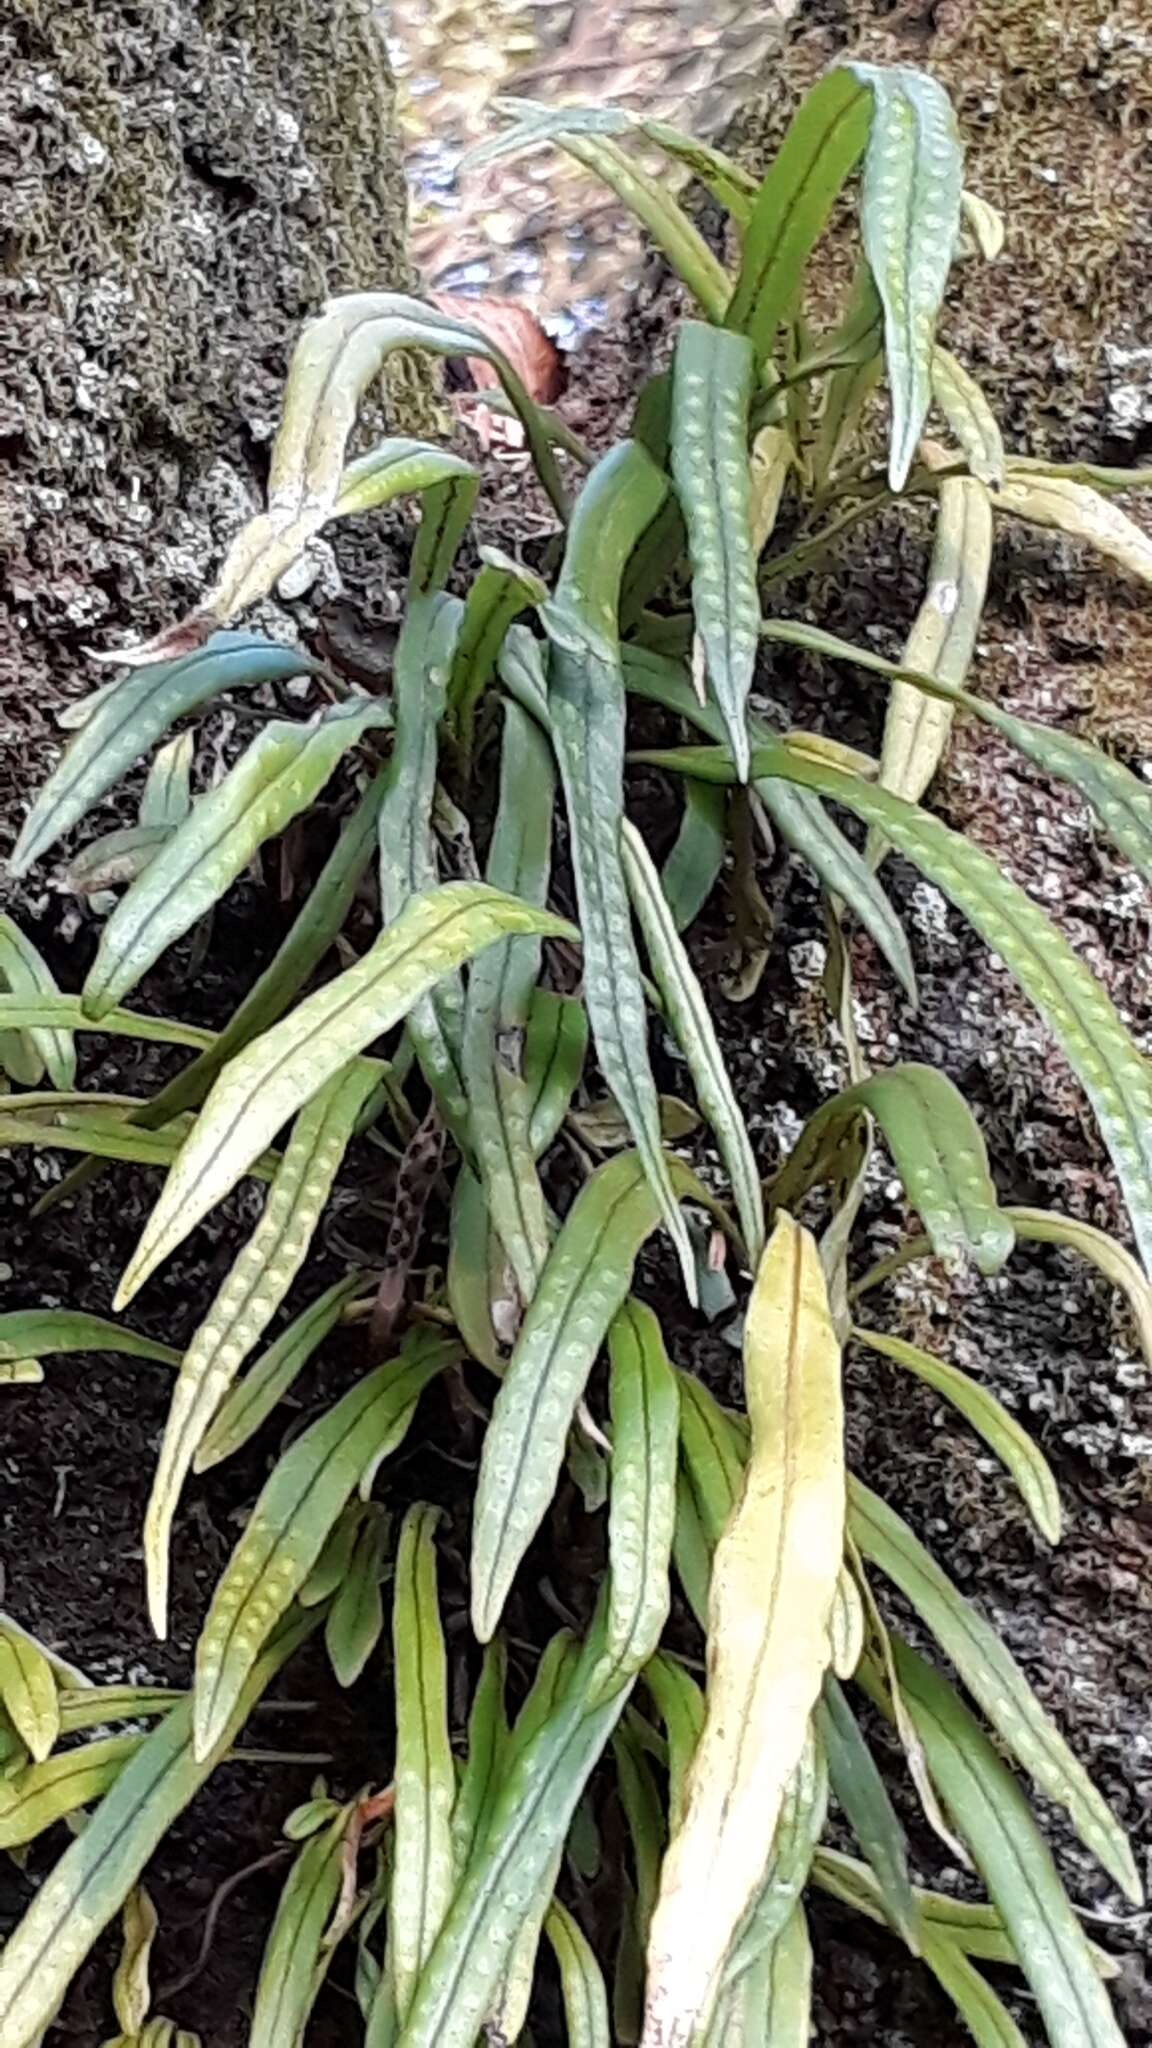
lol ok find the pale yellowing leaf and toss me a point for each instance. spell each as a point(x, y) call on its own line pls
point(942, 639)
point(774, 1583)
point(1080, 512)
point(28, 1692)
point(131, 1991)
point(847, 1626)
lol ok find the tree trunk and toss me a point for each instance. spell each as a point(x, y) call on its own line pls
point(185, 183)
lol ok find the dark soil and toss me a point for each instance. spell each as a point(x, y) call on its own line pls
point(1064, 643)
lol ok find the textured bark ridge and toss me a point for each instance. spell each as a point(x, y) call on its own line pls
point(183, 184)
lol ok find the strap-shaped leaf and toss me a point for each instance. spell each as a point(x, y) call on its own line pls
point(587, 714)
point(131, 1986)
point(290, 1524)
point(773, 1583)
point(1000, 1430)
point(91, 1706)
point(529, 1822)
point(487, 1754)
point(331, 1568)
point(581, 1981)
point(645, 1409)
point(248, 1404)
point(508, 2015)
point(1045, 1226)
point(691, 1550)
point(867, 1808)
point(771, 2004)
point(970, 417)
point(804, 824)
point(848, 1625)
point(1015, 1862)
point(643, 1813)
point(1079, 511)
point(49, 1791)
point(338, 356)
point(972, 1926)
point(281, 1070)
point(584, 1283)
point(986, 223)
point(853, 357)
point(987, 2019)
point(555, 1045)
point(27, 977)
point(713, 375)
point(994, 1679)
point(938, 1150)
point(501, 590)
point(787, 1866)
point(294, 1962)
point(714, 1456)
point(32, 1332)
point(1103, 476)
point(478, 1274)
point(300, 504)
point(941, 642)
point(244, 1305)
point(21, 1372)
point(93, 1878)
point(823, 142)
point(1120, 800)
point(107, 1136)
point(28, 1693)
point(537, 125)
point(1080, 1015)
point(799, 816)
point(424, 1775)
point(499, 995)
point(167, 797)
point(130, 715)
point(645, 196)
point(408, 861)
point(680, 1704)
point(395, 468)
point(688, 1013)
point(910, 224)
point(309, 938)
point(693, 866)
point(275, 779)
point(115, 859)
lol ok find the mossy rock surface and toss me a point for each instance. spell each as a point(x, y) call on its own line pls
point(187, 183)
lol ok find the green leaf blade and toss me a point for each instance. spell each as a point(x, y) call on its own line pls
point(265, 1084)
point(823, 143)
point(423, 1872)
point(1013, 1859)
point(645, 1410)
point(695, 1033)
point(712, 390)
point(128, 717)
point(994, 1679)
point(290, 1525)
point(586, 705)
point(910, 222)
point(584, 1283)
point(276, 778)
point(999, 1429)
point(246, 1302)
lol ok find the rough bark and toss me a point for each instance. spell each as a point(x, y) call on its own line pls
point(185, 182)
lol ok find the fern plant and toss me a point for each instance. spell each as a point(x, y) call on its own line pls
point(458, 1031)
